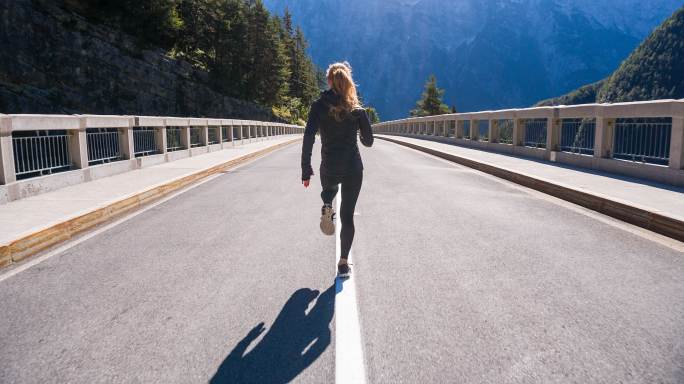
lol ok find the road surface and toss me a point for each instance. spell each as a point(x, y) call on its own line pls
point(460, 277)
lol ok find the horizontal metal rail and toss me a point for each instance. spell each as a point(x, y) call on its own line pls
point(144, 141)
point(535, 133)
point(645, 140)
point(505, 131)
point(103, 145)
point(598, 136)
point(40, 152)
point(577, 135)
point(35, 145)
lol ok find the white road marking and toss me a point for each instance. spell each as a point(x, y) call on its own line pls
point(349, 363)
point(78, 240)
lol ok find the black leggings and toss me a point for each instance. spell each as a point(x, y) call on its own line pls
point(351, 186)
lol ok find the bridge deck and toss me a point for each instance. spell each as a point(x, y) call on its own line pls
point(461, 277)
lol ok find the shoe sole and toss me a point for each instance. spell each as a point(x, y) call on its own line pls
point(327, 225)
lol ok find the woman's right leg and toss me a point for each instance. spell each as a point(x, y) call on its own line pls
point(330, 188)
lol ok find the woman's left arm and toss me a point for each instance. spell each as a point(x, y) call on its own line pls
point(366, 129)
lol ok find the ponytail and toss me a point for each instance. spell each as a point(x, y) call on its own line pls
point(340, 76)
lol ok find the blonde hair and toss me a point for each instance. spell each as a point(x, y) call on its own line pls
point(340, 76)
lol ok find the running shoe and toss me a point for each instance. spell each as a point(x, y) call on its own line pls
point(327, 220)
point(343, 270)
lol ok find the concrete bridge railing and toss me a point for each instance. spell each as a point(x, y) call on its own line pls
point(44, 152)
point(639, 139)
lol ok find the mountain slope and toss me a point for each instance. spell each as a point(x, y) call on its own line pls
point(655, 70)
point(486, 54)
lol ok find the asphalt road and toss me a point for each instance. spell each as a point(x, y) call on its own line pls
point(460, 278)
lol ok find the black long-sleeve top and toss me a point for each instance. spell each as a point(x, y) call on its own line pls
point(339, 149)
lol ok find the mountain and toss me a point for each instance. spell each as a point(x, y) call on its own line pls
point(655, 70)
point(486, 54)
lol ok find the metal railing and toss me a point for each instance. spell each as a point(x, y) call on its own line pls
point(645, 140)
point(577, 135)
point(35, 145)
point(483, 127)
point(196, 137)
point(38, 153)
point(638, 139)
point(144, 141)
point(505, 131)
point(451, 128)
point(535, 133)
point(173, 139)
point(213, 136)
point(103, 145)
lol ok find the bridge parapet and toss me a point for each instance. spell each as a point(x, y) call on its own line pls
point(45, 152)
point(638, 139)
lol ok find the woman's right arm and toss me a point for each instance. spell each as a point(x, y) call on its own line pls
point(307, 145)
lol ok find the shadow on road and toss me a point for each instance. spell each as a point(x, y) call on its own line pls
point(294, 341)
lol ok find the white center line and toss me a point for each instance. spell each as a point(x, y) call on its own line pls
point(349, 363)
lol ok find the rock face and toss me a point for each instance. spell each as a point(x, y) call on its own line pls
point(53, 61)
point(487, 54)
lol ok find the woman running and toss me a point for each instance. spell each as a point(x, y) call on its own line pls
point(338, 115)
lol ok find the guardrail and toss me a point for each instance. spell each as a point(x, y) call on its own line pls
point(33, 146)
point(638, 139)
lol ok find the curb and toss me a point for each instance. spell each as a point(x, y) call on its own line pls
point(26, 246)
point(664, 225)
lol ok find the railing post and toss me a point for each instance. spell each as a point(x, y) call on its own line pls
point(460, 128)
point(7, 170)
point(603, 135)
point(219, 133)
point(518, 131)
point(677, 143)
point(493, 131)
point(161, 138)
point(186, 142)
point(126, 140)
point(474, 129)
point(553, 132)
point(78, 145)
point(204, 137)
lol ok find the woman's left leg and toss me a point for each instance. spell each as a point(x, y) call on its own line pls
point(351, 186)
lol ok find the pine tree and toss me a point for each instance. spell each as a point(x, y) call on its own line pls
point(373, 115)
point(431, 102)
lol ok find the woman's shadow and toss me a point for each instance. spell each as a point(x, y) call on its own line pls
point(294, 341)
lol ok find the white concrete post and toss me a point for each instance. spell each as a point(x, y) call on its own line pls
point(603, 137)
point(126, 140)
point(186, 142)
point(677, 143)
point(518, 131)
point(459, 129)
point(219, 133)
point(474, 129)
point(78, 145)
point(204, 135)
point(493, 131)
point(552, 133)
point(162, 143)
point(7, 170)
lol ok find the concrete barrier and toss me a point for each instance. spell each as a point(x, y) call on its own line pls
point(54, 151)
point(654, 130)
